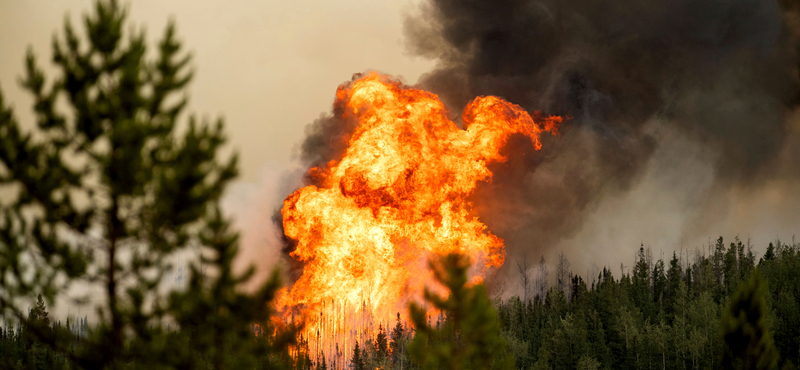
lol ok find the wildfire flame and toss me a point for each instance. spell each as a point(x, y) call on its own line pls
point(398, 195)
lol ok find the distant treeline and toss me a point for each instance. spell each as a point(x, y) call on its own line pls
point(658, 315)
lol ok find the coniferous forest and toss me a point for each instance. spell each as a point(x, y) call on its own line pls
point(109, 189)
point(722, 310)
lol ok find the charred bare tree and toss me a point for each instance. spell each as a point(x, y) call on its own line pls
point(523, 267)
point(542, 276)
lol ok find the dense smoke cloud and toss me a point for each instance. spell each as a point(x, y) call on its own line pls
point(719, 72)
point(633, 76)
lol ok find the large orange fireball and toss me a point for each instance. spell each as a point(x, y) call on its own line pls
point(397, 196)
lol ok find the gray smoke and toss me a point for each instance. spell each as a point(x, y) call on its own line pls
point(719, 72)
point(627, 73)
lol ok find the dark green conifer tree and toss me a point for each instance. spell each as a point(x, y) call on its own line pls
point(674, 276)
point(659, 280)
point(642, 294)
point(398, 345)
point(768, 255)
point(109, 189)
point(381, 345)
point(357, 361)
point(470, 337)
point(39, 314)
point(747, 340)
point(731, 268)
point(37, 323)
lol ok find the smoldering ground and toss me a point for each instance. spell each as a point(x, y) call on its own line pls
point(678, 110)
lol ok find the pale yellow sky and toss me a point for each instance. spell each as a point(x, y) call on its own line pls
point(269, 67)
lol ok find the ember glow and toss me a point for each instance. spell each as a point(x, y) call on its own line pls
point(398, 196)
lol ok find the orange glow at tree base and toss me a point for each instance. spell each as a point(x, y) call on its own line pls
point(397, 197)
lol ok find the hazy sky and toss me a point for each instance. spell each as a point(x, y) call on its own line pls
point(269, 67)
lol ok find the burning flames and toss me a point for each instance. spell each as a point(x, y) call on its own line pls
point(398, 196)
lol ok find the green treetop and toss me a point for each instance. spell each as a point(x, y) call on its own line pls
point(470, 336)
